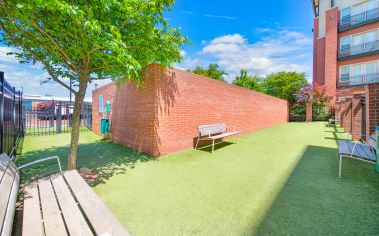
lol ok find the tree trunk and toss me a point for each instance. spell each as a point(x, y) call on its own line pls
point(79, 98)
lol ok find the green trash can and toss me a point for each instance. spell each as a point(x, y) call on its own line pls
point(104, 126)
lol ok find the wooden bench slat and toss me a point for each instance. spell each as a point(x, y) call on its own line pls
point(100, 217)
point(220, 136)
point(52, 217)
point(5, 190)
point(75, 221)
point(32, 219)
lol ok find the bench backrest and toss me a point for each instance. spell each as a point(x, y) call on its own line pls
point(211, 129)
point(372, 141)
point(9, 183)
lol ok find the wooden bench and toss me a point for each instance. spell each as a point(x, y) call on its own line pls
point(213, 132)
point(61, 204)
point(357, 150)
point(333, 121)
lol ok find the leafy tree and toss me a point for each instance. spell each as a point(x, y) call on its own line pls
point(284, 85)
point(315, 94)
point(248, 81)
point(213, 72)
point(90, 40)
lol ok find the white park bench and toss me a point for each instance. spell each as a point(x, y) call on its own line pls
point(357, 150)
point(213, 132)
point(61, 204)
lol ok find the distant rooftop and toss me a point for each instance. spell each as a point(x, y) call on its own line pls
point(35, 97)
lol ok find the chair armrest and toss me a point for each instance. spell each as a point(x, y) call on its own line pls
point(41, 160)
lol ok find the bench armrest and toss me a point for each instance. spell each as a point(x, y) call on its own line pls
point(41, 160)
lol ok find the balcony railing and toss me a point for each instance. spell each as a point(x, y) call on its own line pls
point(359, 19)
point(358, 80)
point(359, 49)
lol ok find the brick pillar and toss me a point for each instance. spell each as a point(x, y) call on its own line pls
point(347, 115)
point(309, 112)
point(331, 44)
point(338, 110)
point(357, 116)
point(372, 105)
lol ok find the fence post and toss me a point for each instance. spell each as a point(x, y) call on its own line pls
point(2, 112)
point(59, 118)
point(14, 121)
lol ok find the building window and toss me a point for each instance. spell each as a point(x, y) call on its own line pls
point(360, 73)
point(101, 103)
point(332, 4)
point(344, 73)
point(345, 44)
point(345, 15)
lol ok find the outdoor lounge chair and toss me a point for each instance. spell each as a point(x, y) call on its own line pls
point(60, 204)
point(357, 150)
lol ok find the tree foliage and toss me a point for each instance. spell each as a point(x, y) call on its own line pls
point(90, 40)
point(212, 71)
point(248, 81)
point(284, 85)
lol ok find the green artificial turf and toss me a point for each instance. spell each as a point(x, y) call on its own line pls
point(277, 181)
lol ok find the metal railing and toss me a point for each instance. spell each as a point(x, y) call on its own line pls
point(11, 118)
point(359, 19)
point(358, 49)
point(358, 80)
point(55, 117)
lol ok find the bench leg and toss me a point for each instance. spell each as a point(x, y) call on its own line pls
point(340, 168)
point(197, 142)
point(213, 146)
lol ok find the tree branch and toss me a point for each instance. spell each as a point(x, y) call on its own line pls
point(70, 63)
point(48, 68)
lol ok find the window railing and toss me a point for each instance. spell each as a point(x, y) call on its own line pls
point(358, 49)
point(359, 19)
point(358, 79)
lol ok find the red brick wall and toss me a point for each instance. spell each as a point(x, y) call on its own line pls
point(163, 116)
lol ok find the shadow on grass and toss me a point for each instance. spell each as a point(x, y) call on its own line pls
point(314, 201)
point(103, 157)
point(208, 147)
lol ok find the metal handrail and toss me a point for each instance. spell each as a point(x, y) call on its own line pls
point(359, 49)
point(359, 79)
point(41, 160)
point(359, 19)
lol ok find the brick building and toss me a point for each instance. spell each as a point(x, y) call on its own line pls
point(162, 116)
point(346, 59)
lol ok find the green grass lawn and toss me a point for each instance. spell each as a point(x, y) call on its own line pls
point(278, 181)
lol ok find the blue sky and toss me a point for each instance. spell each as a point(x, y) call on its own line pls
point(260, 36)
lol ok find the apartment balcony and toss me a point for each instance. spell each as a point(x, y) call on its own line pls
point(359, 50)
point(359, 19)
point(352, 81)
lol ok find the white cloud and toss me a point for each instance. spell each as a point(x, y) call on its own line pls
point(221, 17)
point(280, 50)
point(30, 77)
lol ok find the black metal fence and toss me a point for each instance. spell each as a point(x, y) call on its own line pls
point(44, 118)
point(11, 118)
